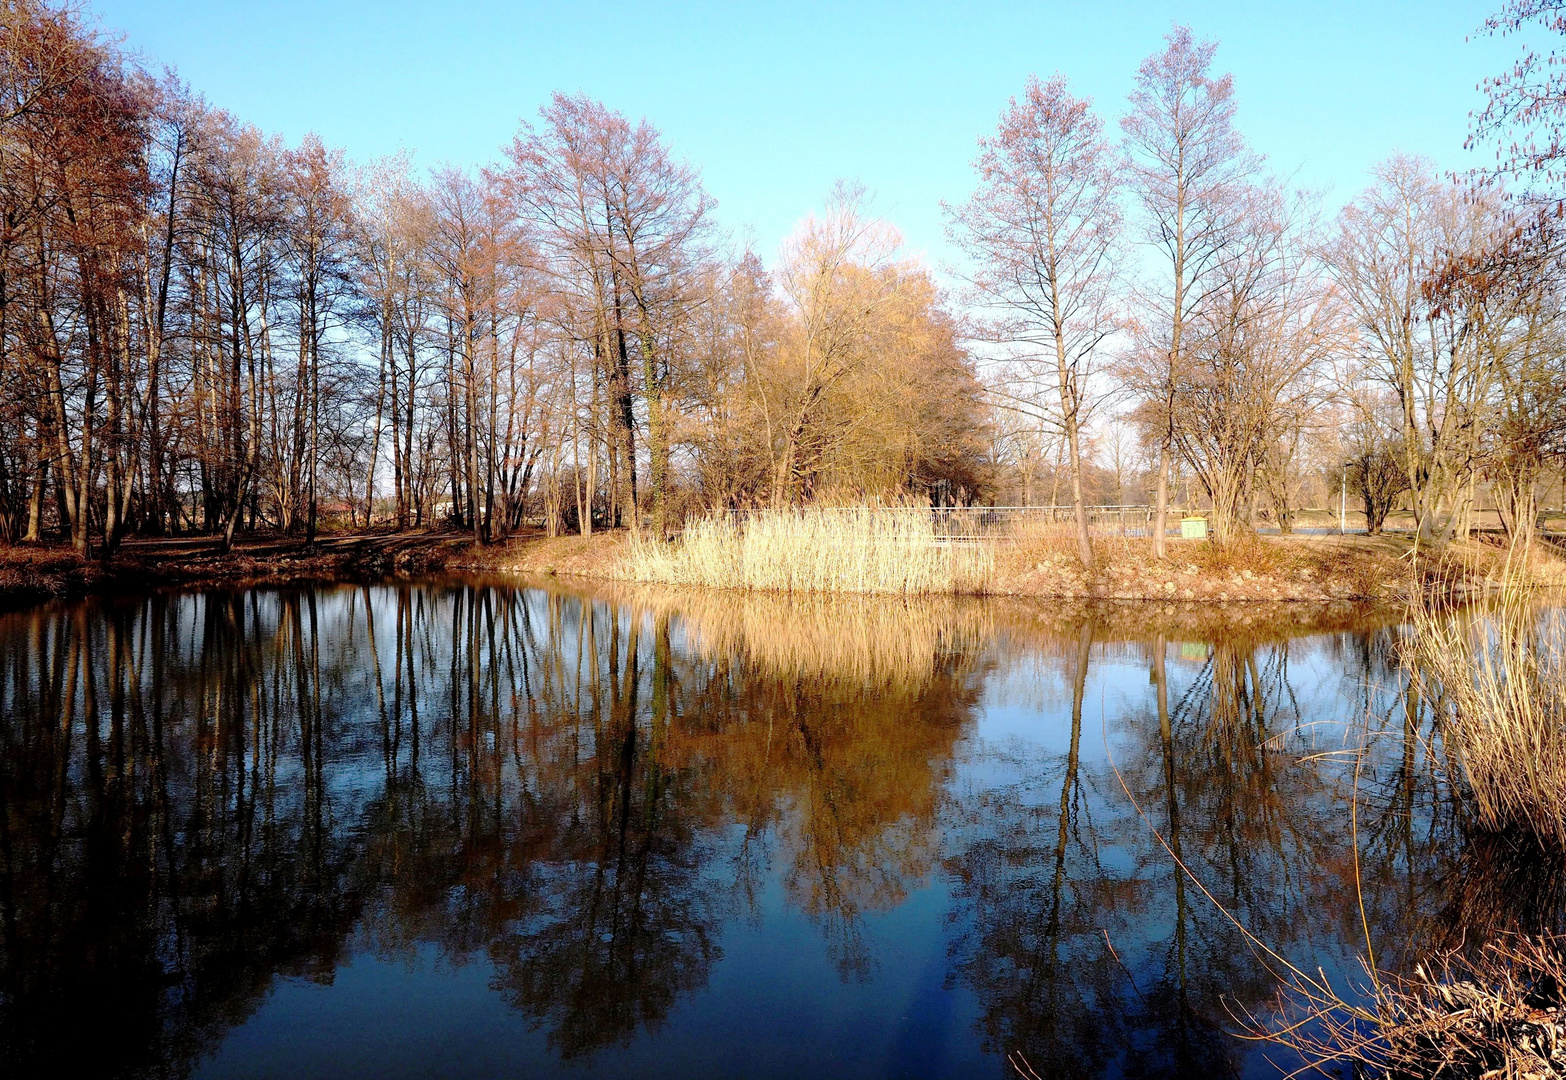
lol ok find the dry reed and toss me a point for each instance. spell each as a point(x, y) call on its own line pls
point(815, 550)
point(1498, 682)
point(1496, 678)
point(1499, 1015)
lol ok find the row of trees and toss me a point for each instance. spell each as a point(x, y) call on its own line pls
point(1417, 337)
point(202, 328)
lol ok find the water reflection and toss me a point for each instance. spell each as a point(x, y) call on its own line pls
point(607, 800)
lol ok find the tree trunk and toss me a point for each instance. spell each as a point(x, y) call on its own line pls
point(1161, 509)
point(657, 439)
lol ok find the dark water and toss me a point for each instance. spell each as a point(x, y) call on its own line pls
point(473, 830)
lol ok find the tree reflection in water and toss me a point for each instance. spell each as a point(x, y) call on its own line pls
point(202, 793)
point(1093, 954)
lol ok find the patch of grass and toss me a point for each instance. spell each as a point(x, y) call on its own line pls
point(596, 556)
point(1242, 553)
point(31, 573)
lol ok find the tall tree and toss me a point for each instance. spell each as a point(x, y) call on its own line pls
point(1426, 348)
point(625, 225)
point(1042, 230)
point(317, 238)
point(1184, 162)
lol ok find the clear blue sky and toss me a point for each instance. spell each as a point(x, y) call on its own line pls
point(773, 102)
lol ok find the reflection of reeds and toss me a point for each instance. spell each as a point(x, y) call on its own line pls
point(1500, 884)
point(1499, 683)
point(862, 640)
point(816, 550)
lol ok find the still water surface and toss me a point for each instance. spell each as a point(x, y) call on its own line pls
point(469, 829)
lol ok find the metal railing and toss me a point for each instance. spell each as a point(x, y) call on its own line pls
point(996, 522)
point(1128, 520)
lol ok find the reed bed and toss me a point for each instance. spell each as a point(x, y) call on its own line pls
point(816, 550)
point(1497, 679)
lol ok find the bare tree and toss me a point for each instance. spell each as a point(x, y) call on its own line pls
point(1267, 322)
point(1505, 294)
point(317, 240)
point(1185, 160)
point(1428, 350)
point(1042, 230)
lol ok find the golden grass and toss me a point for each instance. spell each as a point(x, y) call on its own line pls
point(817, 550)
point(30, 573)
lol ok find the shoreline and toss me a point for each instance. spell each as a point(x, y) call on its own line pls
point(1303, 569)
point(1308, 570)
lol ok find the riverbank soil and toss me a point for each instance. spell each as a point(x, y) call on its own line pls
point(596, 556)
point(34, 573)
point(1312, 568)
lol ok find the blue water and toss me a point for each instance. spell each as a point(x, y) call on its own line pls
point(469, 829)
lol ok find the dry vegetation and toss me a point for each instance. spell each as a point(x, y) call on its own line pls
point(828, 551)
point(1498, 682)
point(30, 574)
point(857, 550)
point(1499, 1015)
point(1384, 568)
point(815, 550)
point(596, 556)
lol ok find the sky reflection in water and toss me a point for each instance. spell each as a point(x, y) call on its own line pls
point(467, 829)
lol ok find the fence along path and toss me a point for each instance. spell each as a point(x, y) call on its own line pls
point(1127, 520)
point(997, 522)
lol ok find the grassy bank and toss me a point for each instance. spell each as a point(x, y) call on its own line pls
point(864, 552)
point(34, 574)
point(1317, 568)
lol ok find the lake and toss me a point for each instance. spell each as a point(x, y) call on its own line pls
point(467, 828)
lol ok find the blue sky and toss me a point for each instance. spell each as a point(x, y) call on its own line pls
point(773, 102)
